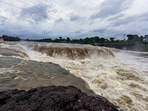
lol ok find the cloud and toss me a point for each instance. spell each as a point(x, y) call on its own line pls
point(59, 20)
point(74, 17)
point(53, 18)
point(98, 30)
point(144, 17)
point(118, 21)
point(118, 16)
point(111, 7)
point(77, 32)
point(2, 20)
point(37, 12)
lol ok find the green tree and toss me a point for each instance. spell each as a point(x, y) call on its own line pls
point(133, 37)
point(112, 39)
point(68, 39)
point(130, 37)
point(10, 38)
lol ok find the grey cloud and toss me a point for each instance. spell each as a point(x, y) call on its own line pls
point(21, 31)
point(120, 16)
point(130, 19)
point(77, 32)
point(59, 20)
point(98, 30)
point(74, 17)
point(47, 33)
point(124, 21)
point(2, 20)
point(107, 32)
point(144, 17)
point(37, 12)
point(111, 7)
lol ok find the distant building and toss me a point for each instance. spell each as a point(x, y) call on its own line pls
point(1, 39)
point(145, 38)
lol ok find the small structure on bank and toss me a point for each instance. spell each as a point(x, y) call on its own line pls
point(146, 38)
point(1, 39)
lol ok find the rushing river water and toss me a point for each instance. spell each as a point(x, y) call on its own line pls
point(120, 76)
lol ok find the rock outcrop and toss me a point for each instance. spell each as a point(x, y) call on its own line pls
point(72, 51)
point(53, 98)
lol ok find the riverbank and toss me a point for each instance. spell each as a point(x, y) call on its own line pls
point(126, 46)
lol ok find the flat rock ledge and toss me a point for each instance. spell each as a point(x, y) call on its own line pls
point(53, 98)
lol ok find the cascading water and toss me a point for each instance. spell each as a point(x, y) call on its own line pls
point(120, 76)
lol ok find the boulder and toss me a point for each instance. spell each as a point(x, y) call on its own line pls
point(53, 98)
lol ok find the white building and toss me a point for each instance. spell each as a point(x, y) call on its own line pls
point(145, 39)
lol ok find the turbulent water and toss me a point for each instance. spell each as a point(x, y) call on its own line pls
point(120, 76)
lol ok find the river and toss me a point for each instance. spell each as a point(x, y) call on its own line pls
point(118, 75)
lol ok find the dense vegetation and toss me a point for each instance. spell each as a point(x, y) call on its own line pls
point(10, 38)
point(133, 42)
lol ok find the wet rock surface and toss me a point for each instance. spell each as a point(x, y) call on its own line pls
point(53, 98)
point(26, 74)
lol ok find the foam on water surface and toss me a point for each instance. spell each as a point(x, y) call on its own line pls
point(123, 79)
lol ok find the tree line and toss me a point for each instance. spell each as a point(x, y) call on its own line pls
point(133, 42)
point(87, 40)
point(93, 40)
point(10, 38)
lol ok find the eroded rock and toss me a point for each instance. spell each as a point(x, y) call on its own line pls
point(53, 98)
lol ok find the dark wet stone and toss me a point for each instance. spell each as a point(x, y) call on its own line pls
point(53, 98)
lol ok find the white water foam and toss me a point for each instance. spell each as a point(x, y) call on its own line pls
point(123, 79)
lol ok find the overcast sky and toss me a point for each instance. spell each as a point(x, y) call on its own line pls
point(73, 18)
